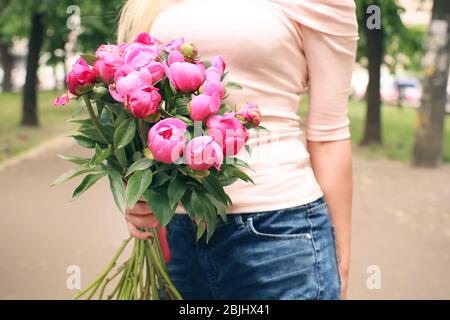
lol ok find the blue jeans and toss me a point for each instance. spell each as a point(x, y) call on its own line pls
point(280, 254)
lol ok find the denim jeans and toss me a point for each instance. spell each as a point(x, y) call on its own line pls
point(281, 254)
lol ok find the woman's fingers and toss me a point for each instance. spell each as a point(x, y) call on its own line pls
point(136, 233)
point(142, 221)
point(140, 208)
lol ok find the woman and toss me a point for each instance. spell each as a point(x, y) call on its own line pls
point(279, 240)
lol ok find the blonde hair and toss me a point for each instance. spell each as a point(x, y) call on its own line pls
point(137, 16)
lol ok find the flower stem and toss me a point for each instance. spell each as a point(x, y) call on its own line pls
point(141, 126)
point(100, 279)
point(94, 118)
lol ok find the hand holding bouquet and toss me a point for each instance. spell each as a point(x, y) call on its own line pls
point(161, 131)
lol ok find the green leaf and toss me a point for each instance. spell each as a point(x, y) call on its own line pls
point(121, 118)
point(210, 217)
point(159, 204)
point(87, 122)
point(80, 106)
point(84, 168)
point(188, 121)
point(89, 58)
point(100, 106)
point(124, 133)
point(117, 189)
point(200, 229)
point(238, 162)
point(226, 176)
point(121, 156)
point(136, 186)
point(242, 175)
point(138, 165)
point(91, 133)
point(215, 188)
point(181, 106)
point(233, 85)
point(167, 90)
point(115, 107)
point(74, 159)
point(84, 141)
point(87, 182)
point(258, 128)
point(220, 207)
point(177, 188)
point(248, 149)
point(100, 155)
point(160, 178)
point(197, 205)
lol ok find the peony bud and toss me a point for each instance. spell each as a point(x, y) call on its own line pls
point(80, 80)
point(166, 140)
point(249, 114)
point(202, 153)
point(228, 132)
point(189, 51)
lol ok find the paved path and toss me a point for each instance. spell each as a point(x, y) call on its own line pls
point(401, 228)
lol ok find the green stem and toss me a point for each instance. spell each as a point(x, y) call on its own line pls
point(141, 126)
point(161, 272)
point(108, 281)
point(136, 268)
point(94, 118)
point(100, 279)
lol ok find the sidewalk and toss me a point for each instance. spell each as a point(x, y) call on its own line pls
point(401, 225)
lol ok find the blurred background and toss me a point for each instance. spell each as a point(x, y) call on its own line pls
point(400, 125)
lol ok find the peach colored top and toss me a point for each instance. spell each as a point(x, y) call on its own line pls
point(277, 50)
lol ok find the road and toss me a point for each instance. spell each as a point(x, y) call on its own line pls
point(401, 229)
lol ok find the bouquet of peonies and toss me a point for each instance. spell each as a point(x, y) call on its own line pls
point(160, 130)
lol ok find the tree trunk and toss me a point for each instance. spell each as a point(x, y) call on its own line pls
point(7, 60)
point(375, 53)
point(29, 108)
point(435, 65)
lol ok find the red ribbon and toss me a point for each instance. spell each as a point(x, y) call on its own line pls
point(162, 237)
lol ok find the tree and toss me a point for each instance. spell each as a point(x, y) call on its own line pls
point(383, 34)
point(427, 150)
point(7, 63)
point(48, 32)
point(10, 26)
point(29, 114)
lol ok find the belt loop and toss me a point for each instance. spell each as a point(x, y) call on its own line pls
point(238, 220)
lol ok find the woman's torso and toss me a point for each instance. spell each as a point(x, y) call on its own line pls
point(263, 51)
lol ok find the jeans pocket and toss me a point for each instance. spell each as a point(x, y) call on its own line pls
point(279, 225)
point(335, 254)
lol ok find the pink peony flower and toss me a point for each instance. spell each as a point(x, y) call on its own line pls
point(145, 38)
point(175, 44)
point(109, 60)
point(61, 100)
point(228, 132)
point(81, 78)
point(139, 55)
point(156, 69)
point(143, 102)
point(249, 114)
point(166, 140)
point(174, 56)
point(202, 153)
point(128, 79)
point(213, 83)
point(219, 63)
point(203, 105)
point(185, 76)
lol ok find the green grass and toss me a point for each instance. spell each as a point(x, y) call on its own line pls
point(15, 139)
point(398, 132)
